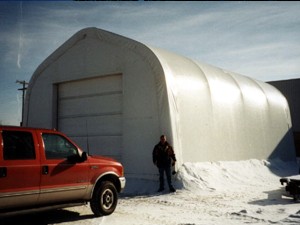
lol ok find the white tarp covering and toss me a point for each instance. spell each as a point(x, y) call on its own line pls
point(208, 114)
point(223, 115)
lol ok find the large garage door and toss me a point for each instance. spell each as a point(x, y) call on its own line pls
point(90, 112)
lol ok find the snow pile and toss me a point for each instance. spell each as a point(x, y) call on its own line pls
point(219, 176)
point(226, 175)
point(213, 193)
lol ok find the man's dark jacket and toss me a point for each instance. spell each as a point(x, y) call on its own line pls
point(163, 155)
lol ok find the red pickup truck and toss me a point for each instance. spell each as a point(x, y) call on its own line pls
point(43, 169)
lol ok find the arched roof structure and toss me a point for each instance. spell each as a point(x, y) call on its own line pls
point(117, 96)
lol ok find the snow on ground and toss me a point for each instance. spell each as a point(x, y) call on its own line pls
point(240, 192)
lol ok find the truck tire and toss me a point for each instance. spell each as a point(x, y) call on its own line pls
point(105, 199)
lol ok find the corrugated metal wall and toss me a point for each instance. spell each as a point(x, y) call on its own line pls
point(291, 90)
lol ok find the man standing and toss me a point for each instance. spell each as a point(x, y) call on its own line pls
point(164, 158)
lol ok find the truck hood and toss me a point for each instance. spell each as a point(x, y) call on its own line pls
point(104, 158)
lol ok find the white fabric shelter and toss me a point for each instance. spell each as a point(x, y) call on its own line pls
point(116, 96)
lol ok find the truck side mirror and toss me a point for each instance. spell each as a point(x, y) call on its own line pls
point(84, 156)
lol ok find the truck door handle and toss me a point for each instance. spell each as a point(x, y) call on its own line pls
point(3, 172)
point(45, 170)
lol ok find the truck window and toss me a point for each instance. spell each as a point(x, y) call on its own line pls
point(58, 147)
point(18, 145)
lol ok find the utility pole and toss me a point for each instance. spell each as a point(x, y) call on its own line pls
point(23, 89)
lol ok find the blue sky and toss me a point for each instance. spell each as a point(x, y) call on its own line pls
point(256, 39)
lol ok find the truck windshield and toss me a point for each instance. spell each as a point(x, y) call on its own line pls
point(58, 147)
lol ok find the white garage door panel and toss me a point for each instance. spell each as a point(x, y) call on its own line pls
point(93, 126)
point(99, 85)
point(87, 106)
point(90, 112)
point(107, 146)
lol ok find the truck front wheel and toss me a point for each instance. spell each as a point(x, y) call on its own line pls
point(105, 199)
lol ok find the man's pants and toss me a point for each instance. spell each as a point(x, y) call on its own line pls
point(166, 170)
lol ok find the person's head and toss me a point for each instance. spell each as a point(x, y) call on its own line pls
point(163, 139)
